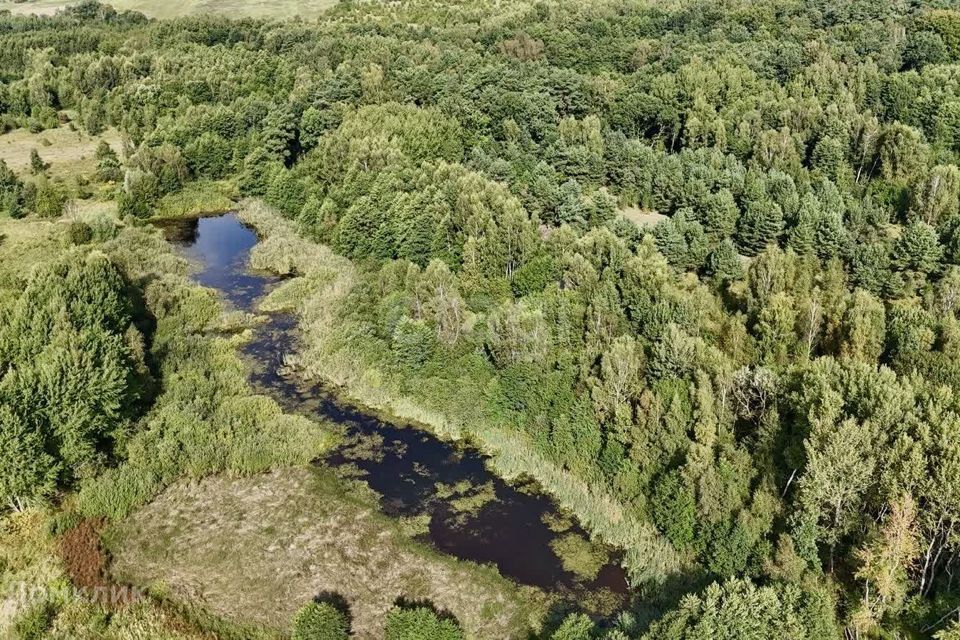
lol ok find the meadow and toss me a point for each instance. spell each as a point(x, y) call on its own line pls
point(255, 549)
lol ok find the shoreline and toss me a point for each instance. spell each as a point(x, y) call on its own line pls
point(507, 456)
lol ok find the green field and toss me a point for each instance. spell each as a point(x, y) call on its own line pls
point(231, 8)
point(70, 153)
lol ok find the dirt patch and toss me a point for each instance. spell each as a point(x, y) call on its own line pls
point(254, 550)
point(83, 556)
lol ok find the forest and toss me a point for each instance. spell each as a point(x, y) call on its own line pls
point(692, 266)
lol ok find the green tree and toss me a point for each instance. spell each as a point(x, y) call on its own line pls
point(903, 152)
point(517, 333)
point(918, 248)
point(864, 328)
point(108, 164)
point(27, 471)
point(575, 626)
point(413, 342)
point(923, 48)
point(11, 193)
point(724, 263)
point(37, 165)
point(675, 509)
point(138, 195)
point(718, 214)
point(420, 623)
point(760, 224)
point(320, 621)
point(682, 240)
point(48, 198)
point(803, 235)
point(739, 610)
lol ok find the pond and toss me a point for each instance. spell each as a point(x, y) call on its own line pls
point(463, 509)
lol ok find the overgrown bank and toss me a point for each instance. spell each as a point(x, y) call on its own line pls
point(337, 352)
point(120, 377)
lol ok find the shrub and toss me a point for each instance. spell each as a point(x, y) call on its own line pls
point(320, 621)
point(420, 623)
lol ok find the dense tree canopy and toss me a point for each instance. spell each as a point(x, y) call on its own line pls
point(769, 376)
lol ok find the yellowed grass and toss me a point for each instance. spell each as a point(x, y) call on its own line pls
point(642, 217)
point(69, 153)
point(31, 563)
point(256, 549)
point(173, 9)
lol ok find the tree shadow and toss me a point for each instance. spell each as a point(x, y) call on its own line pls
point(338, 602)
point(556, 614)
point(442, 614)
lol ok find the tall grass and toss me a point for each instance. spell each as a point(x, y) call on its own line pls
point(207, 419)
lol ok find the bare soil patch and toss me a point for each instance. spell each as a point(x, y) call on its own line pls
point(82, 555)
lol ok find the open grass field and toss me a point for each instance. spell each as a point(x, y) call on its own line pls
point(277, 9)
point(25, 244)
point(254, 550)
point(69, 153)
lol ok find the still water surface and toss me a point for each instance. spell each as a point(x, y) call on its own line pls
point(473, 514)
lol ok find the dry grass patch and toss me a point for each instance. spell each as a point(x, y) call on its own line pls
point(69, 153)
point(642, 217)
point(255, 549)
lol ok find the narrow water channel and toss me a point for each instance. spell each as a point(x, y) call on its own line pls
point(473, 514)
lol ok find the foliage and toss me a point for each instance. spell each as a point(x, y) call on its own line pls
point(320, 621)
point(759, 385)
point(738, 609)
point(420, 623)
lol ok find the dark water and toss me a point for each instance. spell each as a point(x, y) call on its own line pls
point(473, 514)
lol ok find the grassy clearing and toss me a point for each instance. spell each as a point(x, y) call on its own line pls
point(25, 244)
point(258, 548)
point(643, 217)
point(233, 8)
point(69, 153)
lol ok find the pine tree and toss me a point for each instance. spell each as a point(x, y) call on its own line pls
point(723, 263)
point(759, 225)
point(718, 214)
point(27, 471)
point(11, 193)
point(802, 236)
point(37, 165)
point(830, 235)
point(320, 621)
point(420, 623)
point(108, 164)
point(918, 248)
